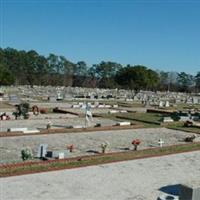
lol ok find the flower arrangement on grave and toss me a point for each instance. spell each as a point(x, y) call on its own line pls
point(135, 143)
point(71, 148)
point(104, 145)
point(35, 110)
point(22, 110)
point(26, 154)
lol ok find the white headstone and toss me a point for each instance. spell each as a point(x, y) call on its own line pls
point(167, 119)
point(61, 155)
point(160, 142)
point(166, 104)
point(161, 104)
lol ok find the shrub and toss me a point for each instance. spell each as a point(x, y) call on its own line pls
point(26, 154)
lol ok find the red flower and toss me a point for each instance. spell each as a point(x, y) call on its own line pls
point(70, 147)
point(136, 142)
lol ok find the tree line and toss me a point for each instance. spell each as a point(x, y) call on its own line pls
point(28, 67)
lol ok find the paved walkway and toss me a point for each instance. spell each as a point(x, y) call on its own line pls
point(130, 180)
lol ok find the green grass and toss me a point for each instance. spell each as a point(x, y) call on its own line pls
point(145, 118)
point(130, 104)
point(184, 106)
point(95, 160)
point(180, 126)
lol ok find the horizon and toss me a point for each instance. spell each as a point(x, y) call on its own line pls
point(159, 35)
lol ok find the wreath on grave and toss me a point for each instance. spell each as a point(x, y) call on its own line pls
point(35, 110)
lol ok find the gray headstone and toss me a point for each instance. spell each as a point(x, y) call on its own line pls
point(195, 100)
point(189, 193)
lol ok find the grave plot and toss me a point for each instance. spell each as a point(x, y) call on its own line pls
point(57, 121)
point(51, 104)
point(90, 143)
point(39, 116)
point(4, 106)
point(81, 112)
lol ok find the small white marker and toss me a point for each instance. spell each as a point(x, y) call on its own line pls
point(160, 142)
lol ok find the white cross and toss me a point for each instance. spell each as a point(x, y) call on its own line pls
point(160, 142)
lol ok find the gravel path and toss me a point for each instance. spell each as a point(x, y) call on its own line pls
point(130, 180)
point(88, 142)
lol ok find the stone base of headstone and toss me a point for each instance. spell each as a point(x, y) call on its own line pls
point(188, 192)
point(123, 123)
point(49, 154)
point(17, 129)
point(113, 111)
point(97, 125)
point(78, 126)
point(31, 131)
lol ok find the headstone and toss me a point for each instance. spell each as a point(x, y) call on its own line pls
point(49, 154)
point(188, 192)
point(76, 106)
point(113, 111)
point(167, 104)
point(77, 126)
point(115, 106)
point(195, 100)
point(161, 104)
point(167, 120)
point(17, 129)
point(147, 103)
point(61, 155)
point(123, 111)
point(107, 106)
point(160, 142)
point(101, 106)
point(31, 131)
point(42, 151)
point(59, 96)
point(123, 123)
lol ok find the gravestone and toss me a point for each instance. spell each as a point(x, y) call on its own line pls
point(189, 192)
point(123, 123)
point(160, 142)
point(61, 155)
point(167, 104)
point(195, 100)
point(161, 104)
point(42, 151)
point(167, 119)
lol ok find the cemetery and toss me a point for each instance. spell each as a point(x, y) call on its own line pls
point(99, 100)
point(50, 128)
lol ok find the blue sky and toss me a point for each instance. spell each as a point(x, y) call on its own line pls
point(162, 35)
